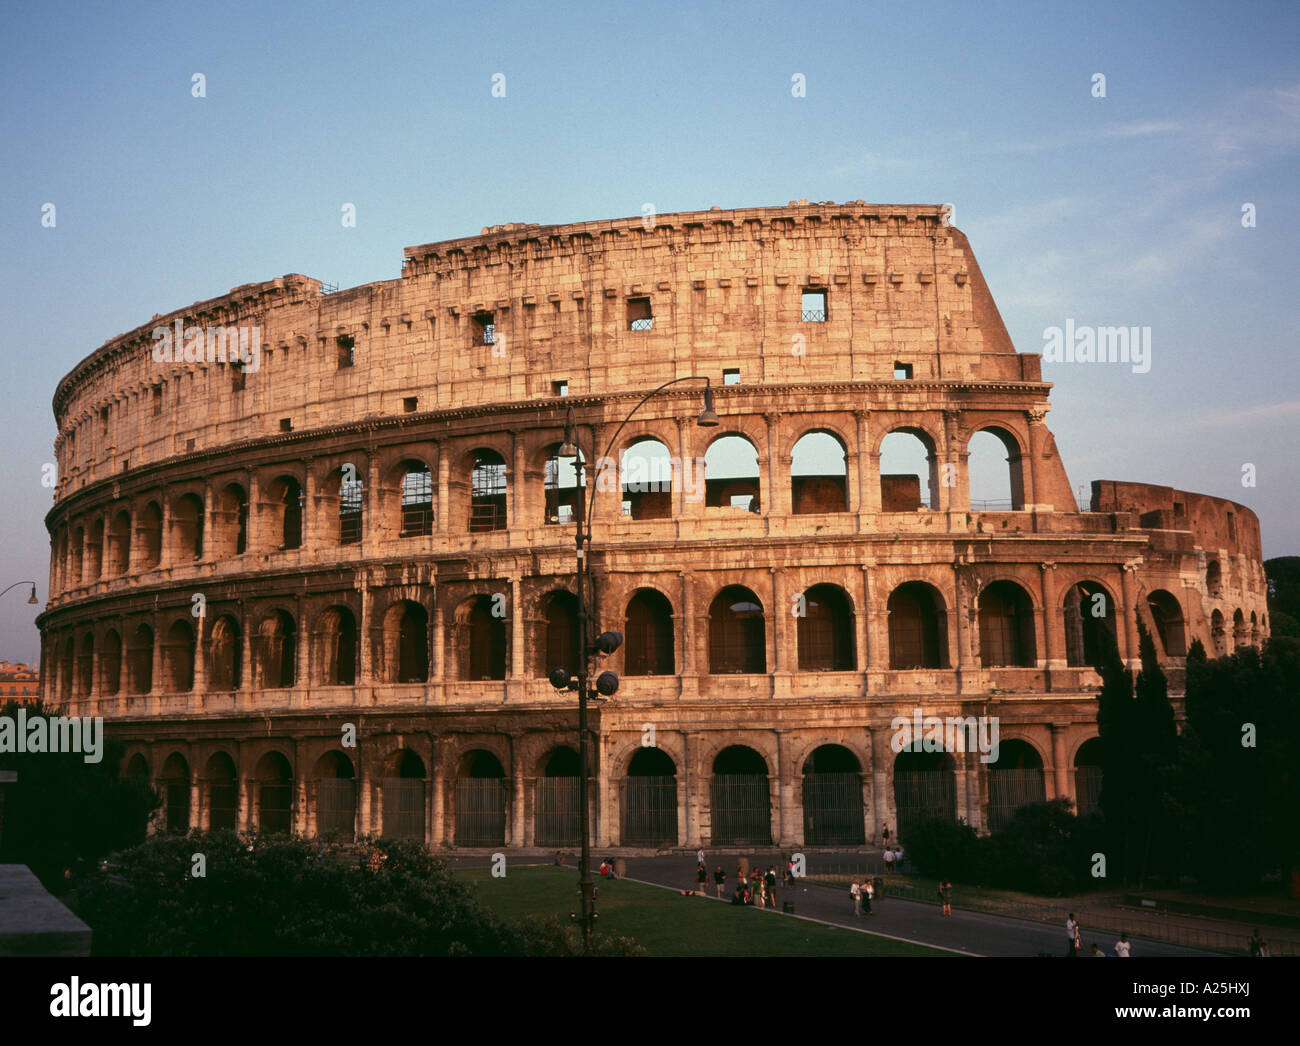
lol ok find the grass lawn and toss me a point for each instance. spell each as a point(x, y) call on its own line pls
point(665, 923)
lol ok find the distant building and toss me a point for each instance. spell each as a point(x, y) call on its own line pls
point(20, 682)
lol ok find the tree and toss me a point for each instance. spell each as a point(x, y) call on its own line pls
point(63, 811)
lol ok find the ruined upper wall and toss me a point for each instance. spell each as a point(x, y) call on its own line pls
point(724, 289)
point(1216, 523)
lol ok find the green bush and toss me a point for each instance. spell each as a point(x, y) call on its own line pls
point(294, 897)
point(944, 849)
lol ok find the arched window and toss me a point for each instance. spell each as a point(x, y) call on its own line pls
point(78, 551)
point(150, 536)
point(403, 787)
point(731, 477)
point(561, 482)
point(649, 804)
point(648, 649)
point(1088, 610)
point(918, 629)
point(560, 643)
point(187, 529)
point(336, 796)
point(647, 470)
point(110, 664)
point(174, 782)
point(741, 798)
point(416, 487)
point(556, 801)
point(95, 553)
point(139, 675)
point(909, 472)
point(487, 495)
point(825, 630)
point(819, 474)
point(352, 496)
point(1218, 633)
point(223, 793)
point(178, 658)
point(1006, 619)
point(286, 500)
point(480, 640)
point(406, 643)
point(1015, 780)
point(224, 662)
point(231, 522)
point(1168, 618)
point(1087, 777)
point(481, 794)
point(1238, 629)
point(277, 653)
point(832, 798)
point(737, 634)
point(119, 544)
point(1214, 578)
point(994, 467)
point(274, 794)
point(337, 647)
point(924, 786)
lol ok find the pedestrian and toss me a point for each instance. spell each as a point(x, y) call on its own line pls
point(898, 857)
point(769, 881)
point(742, 885)
point(789, 873)
point(884, 836)
point(889, 860)
point(855, 891)
point(719, 879)
point(1071, 937)
point(699, 855)
point(1122, 948)
point(702, 880)
point(1258, 946)
point(1098, 952)
point(868, 891)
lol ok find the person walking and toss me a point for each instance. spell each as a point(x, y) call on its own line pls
point(868, 891)
point(789, 874)
point(719, 879)
point(889, 860)
point(945, 895)
point(884, 836)
point(898, 857)
point(1071, 937)
point(742, 885)
point(699, 855)
point(1122, 948)
point(855, 891)
point(702, 880)
point(1258, 946)
point(769, 881)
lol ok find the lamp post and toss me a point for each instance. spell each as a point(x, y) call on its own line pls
point(607, 642)
point(31, 599)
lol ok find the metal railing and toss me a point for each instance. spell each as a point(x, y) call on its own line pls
point(814, 315)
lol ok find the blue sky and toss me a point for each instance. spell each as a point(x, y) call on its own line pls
point(1122, 210)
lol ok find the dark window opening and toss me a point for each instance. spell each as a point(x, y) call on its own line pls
point(1006, 624)
point(347, 349)
point(649, 631)
point(483, 329)
point(157, 400)
point(417, 503)
point(286, 424)
point(487, 492)
point(351, 496)
point(902, 371)
point(410, 403)
point(737, 633)
point(731, 376)
point(825, 631)
point(639, 316)
point(560, 388)
point(918, 634)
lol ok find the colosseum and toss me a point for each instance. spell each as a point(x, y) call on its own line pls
point(318, 584)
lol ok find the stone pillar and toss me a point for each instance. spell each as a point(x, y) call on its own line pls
point(363, 795)
point(437, 826)
point(164, 536)
point(200, 676)
point(789, 824)
point(1128, 586)
point(517, 485)
point(1052, 624)
point(365, 656)
point(1029, 462)
point(953, 465)
point(300, 822)
point(775, 494)
point(521, 832)
point(313, 513)
point(206, 521)
point(871, 489)
point(253, 538)
point(694, 786)
point(1060, 766)
point(684, 626)
point(680, 473)
point(156, 682)
point(301, 648)
point(965, 661)
point(780, 643)
point(517, 669)
point(244, 805)
point(861, 622)
point(444, 487)
point(196, 813)
point(975, 773)
point(882, 779)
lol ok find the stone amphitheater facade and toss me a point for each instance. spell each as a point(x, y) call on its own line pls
point(361, 534)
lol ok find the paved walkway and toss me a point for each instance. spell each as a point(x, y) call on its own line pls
point(977, 933)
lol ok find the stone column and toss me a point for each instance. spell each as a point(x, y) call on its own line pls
point(313, 512)
point(1128, 586)
point(302, 648)
point(365, 656)
point(253, 539)
point(680, 473)
point(861, 622)
point(363, 794)
point(779, 645)
point(775, 495)
point(444, 487)
point(200, 675)
point(196, 813)
point(789, 829)
point(1051, 623)
point(164, 535)
point(156, 683)
point(1029, 462)
point(520, 833)
point(244, 805)
point(437, 827)
point(1060, 766)
point(206, 521)
point(882, 779)
point(685, 625)
point(517, 491)
point(517, 670)
point(694, 785)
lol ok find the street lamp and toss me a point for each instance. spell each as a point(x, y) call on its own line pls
point(607, 642)
point(32, 599)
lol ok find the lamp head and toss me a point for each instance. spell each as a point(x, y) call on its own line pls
point(608, 642)
point(569, 448)
point(708, 418)
point(607, 684)
point(33, 600)
point(560, 678)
